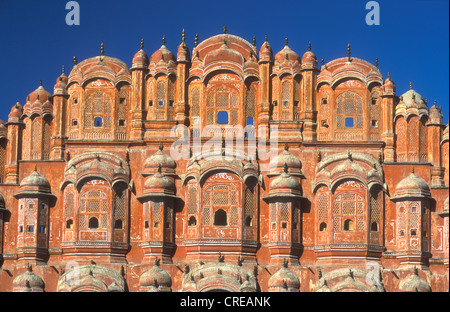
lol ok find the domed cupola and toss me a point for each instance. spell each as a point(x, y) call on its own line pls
point(293, 163)
point(411, 103)
point(61, 83)
point(223, 54)
point(436, 117)
point(28, 282)
point(183, 54)
point(40, 93)
point(284, 281)
point(414, 283)
point(155, 279)
point(34, 184)
point(389, 85)
point(287, 54)
point(140, 59)
point(16, 113)
point(265, 53)
point(309, 59)
point(412, 186)
point(159, 184)
point(159, 159)
point(285, 184)
point(163, 54)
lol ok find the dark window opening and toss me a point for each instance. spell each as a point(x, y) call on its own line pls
point(93, 223)
point(286, 103)
point(249, 221)
point(74, 122)
point(69, 224)
point(122, 101)
point(275, 103)
point(402, 233)
point(374, 123)
point(156, 225)
point(374, 101)
point(118, 225)
point(150, 103)
point(30, 228)
point(121, 122)
point(42, 229)
point(284, 225)
point(349, 225)
point(222, 118)
point(192, 221)
point(250, 121)
point(374, 227)
point(98, 122)
point(75, 101)
point(324, 123)
point(324, 101)
point(146, 224)
point(161, 103)
point(220, 218)
point(323, 227)
point(413, 232)
point(274, 226)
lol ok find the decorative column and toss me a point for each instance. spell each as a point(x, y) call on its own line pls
point(388, 108)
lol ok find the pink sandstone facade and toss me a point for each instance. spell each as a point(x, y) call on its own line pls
point(93, 199)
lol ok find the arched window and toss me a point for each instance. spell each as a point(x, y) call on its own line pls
point(220, 218)
point(118, 224)
point(349, 225)
point(192, 221)
point(222, 118)
point(93, 223)
point(323, 227)
point(374, 227)
point(98, 122)
point(69, 224)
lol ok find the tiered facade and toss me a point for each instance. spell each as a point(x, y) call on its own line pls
point(100, 193)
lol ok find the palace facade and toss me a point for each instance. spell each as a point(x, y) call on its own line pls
point(104, 186)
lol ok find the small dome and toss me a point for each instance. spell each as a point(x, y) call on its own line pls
point(155, 277)
point(436, 116)
point(140, 59)
point(160, 159)
point(159, 182)
point(284, 181)
point(16, 113)
point(309, 57)
point(265, 53)
point(389, 85)
point(412, 186)
point(284, 279)
point(28, 281)
point(411, 102)
point(40, 93)
point(183, 54)
point(414, 284)
point(224, 53)
point(163, 54)
point(286, 158)
point(287, 53)
point(34, 183)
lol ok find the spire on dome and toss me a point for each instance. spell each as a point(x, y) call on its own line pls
point(75, 60)
point(376, 62)
point(224, 29)
point(309, 46)
point(164, 40)
point(348, 51)
point(196, 40)
point(286, 41)
point(183, 36)
point(254, 41)
point(142, 43)
point(102, 49)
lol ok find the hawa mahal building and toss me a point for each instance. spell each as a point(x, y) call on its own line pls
point(355, 199)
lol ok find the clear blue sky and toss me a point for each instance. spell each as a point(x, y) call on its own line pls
point(412, 42)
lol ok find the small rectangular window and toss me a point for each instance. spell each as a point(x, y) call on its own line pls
point(98, 121)
point(349, 122)
point(74, 122)
point(121, 122)
point(374, 123)
point(222, 117)
point(42, 229)
point(374, 101)
point(161, 103)
point(324, 101)
point(324, 123)
point(275, 103)
point(30, 228)
point(150, 103)
point(122, 100)
point(75, 101)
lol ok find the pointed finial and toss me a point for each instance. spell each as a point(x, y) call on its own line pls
point(63, 69)
point(322, 62)
point(412, 169)
point(196, 40)
point(254, 41)
point(159, 168)
point(102, 49)
point(35, 168)
point(224, 29)
point(349, 156)
point(40, 83)
point(142, 43)
point(161, 146)
point(376, 62)
point(29, 268)
point(286, 147)
point(319, 157)
point(164, 40)
point(435, 103)
point(309, 46)
point(285, 263)
point(348, 51)
point(410, 85)
point(75, 60)
point(286, 41)
point(157, 261)
point(265, 37)
point(183, 36)
point(389, 75)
